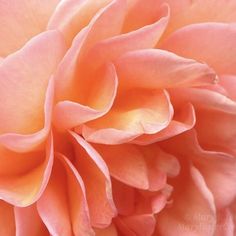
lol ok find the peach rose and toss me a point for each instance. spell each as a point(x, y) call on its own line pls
point(117, 118)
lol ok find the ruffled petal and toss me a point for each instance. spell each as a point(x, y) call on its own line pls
point(65, 197)
point(126, 120)
point(97, 182)
point(24, 176)
point(180, 218)
point(98, 101)
point(25, 117)
point(184, 119)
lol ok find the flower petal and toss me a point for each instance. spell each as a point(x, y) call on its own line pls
point(179, 218)
point(69, 114)
point(183, 120)
point(29, 214)
point(206, 42)
point(7, 219)
point(72, 15)
point(21, 20)
point(96, 177)
point(126, 120)
point(111, 48)
point(154, 68)
point(138, 224)
point(24, 176)
point(25, 117)
point(65, 196)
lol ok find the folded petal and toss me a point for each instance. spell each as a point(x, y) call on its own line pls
point(229, 84)
point(7, 219)
point(97, 101)
point(126, 120)
point(72, 15)
point(111, 48)
point(206, 43)
point(95, 175)
point(183, 120)
point(216, 116)
point(65, 197)
point(192, 201)
point(20, 21)
point(24, 215)
point(29, 110)
point(154, 68)
point(24, 176)
point(217, 168)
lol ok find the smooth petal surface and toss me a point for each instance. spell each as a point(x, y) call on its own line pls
point(131, 170)
point(154, 68)
point(30, 70)
point(185, 12)
point(7, 219)
point(24, 176)
point(206, 43)
point(95, 175)
point(21, 20)
point(136, 225)
point(25, 215)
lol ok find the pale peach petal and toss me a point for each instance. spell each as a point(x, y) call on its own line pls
point(131, 170)
point(69, 114)
point(151, 11)
point(217, 168)
point(139, 225)
point(21, 20)
point(70, 74)
point(185, 12)
point(145, 37)
point(225, 225)
point(206, 43)
point(109, 231)
point(65, 197)
point(192, 200)
point(53, 203)
point(28, 222)
point(154, 68)
point(72, 15)
point(23, 184)
point(96, 177)
point(216, 115)
point(7, 219)
point(30, 70)
point(183, 120)
point(126, 120)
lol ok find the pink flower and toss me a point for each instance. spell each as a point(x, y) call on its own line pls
point(117, 118)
